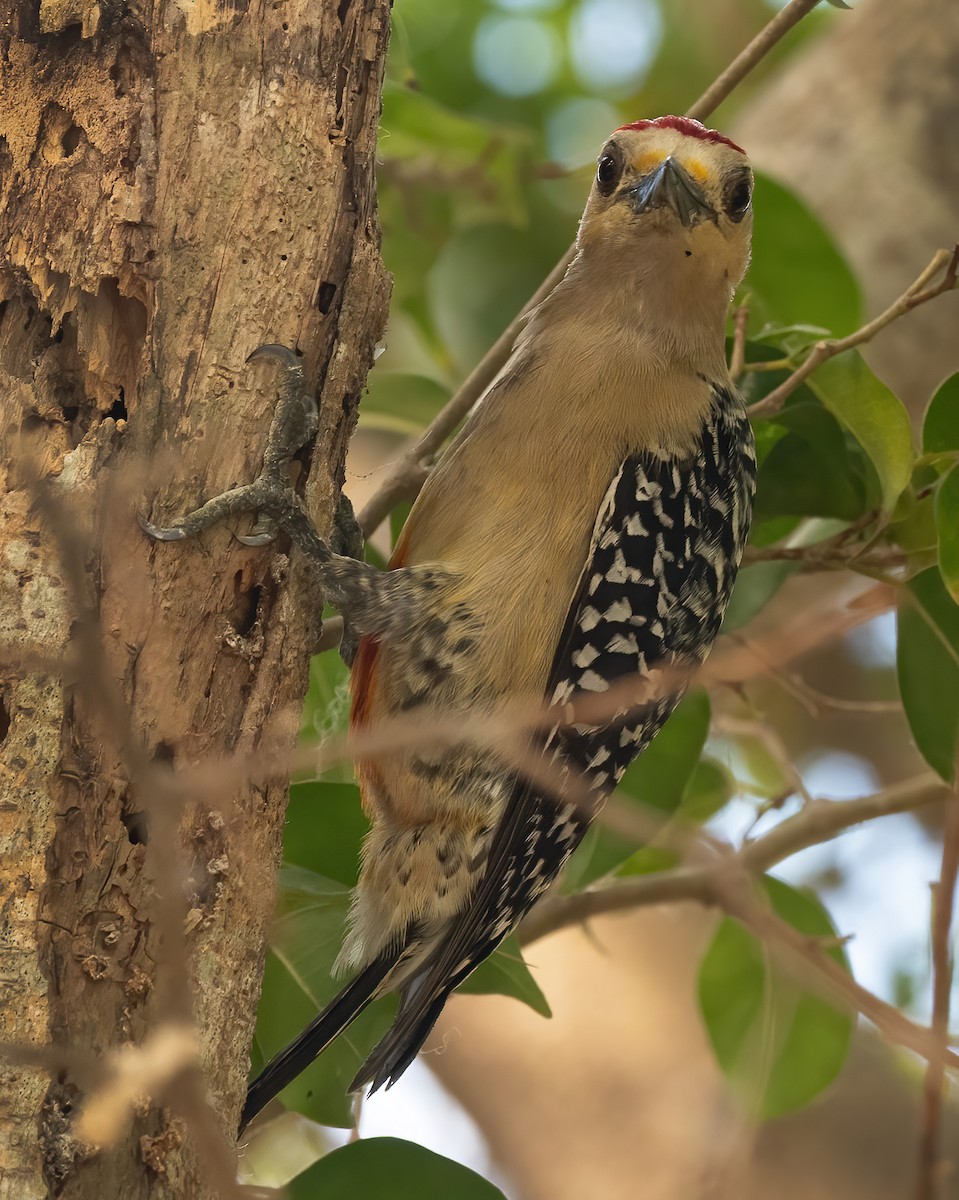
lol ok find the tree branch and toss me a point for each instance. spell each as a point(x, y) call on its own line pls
point(737, 359)
point(407, 474)
point(917, 293)
point(788, 16)
point(815, 823)
point(726, 882)
point(943, 899)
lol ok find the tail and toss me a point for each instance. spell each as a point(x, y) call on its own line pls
point(401, 1044)
point(344, 1008)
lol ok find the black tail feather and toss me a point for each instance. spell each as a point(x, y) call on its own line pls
point(401, 1044)
point(344, 1008)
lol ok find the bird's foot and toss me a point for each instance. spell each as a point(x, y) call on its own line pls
point(270, 496)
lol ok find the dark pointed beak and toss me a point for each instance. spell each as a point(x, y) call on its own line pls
point(669, 186)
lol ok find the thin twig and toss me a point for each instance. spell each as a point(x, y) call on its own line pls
point(737, 358)
point(787, 18)
point(943, 899)
point(917, 293)
point(880, 563)
point(406, 475)
point(815, 701)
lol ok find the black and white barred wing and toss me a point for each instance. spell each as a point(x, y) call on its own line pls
point(662, 561)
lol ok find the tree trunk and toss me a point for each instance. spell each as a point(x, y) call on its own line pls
point(179, 182)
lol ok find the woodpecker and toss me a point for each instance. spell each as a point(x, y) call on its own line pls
point(584, 527)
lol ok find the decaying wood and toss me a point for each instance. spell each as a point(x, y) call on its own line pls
point(179, 182)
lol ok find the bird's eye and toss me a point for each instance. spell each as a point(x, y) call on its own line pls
point(607, 174)
point(738, 198)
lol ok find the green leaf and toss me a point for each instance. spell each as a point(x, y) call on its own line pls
point(599, 854)
point(755, 587)
point(914, 526)
point(873, 415)
point(325, 827)
point(659, 777)
point(811, 472)
point(389, 1169)
point(778, 1045)
point(505, 973)
point(940, 426)
point(947, 531)
point(927, 660)
point(648, 860)
point(792, 255)
point(710, 789)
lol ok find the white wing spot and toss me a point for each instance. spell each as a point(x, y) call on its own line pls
point(591, 682)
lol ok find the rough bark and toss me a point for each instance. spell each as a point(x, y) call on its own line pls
point(179, 182)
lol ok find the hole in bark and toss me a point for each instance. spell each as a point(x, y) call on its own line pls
point(59, 136)
point(342, 10)
point(123, 73)
point(118, 409)
point(247, 606)
point(342, 78)
point(69, 37)
point(325, 296)
point(71, 412)
point(164, 753)
point(137, 827)
point(4, 718)
point(71, 140)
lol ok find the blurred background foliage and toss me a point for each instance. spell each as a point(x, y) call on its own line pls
point(493, 114)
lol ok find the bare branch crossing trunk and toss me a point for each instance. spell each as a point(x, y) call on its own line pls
point(179, 182)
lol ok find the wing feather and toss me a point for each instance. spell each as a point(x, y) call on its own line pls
point(663, 557)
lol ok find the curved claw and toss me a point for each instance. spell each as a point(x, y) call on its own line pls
point(282, 354)
point(161, 533)
point(256, 539)
point(264, 532)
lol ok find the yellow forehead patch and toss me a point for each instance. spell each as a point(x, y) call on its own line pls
point(647, 160)
point(699, 171)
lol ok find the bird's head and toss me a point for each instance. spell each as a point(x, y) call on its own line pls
point(671, 201)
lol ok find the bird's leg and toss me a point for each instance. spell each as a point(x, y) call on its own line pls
point(270, 495)
point(346, 537)
point(372, 601)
